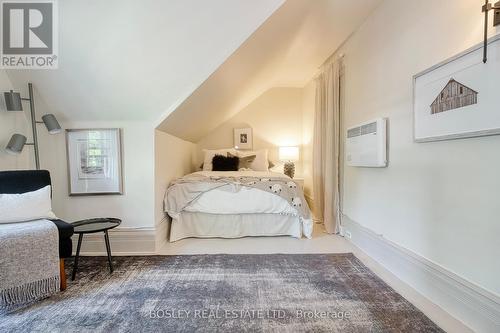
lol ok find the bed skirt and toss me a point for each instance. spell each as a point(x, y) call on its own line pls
point(202, 225)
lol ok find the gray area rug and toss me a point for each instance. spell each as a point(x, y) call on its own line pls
point(223, 293)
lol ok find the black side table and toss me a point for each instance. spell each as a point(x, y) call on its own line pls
point(91, 226)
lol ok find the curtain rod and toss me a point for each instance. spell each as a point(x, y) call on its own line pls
point(328, 61)
point(332, 58)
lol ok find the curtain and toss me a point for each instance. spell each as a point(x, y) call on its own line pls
point(326, 147)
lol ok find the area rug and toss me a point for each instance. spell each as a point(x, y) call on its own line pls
point(223, 293)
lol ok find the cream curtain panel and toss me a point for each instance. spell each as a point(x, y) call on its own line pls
point(326, 147)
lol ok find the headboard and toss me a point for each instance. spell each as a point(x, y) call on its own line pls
point(22, 181)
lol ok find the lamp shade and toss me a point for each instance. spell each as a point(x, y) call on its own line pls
point(289, 154)
point(13, 101)
point(51, 123)
point(16, 144)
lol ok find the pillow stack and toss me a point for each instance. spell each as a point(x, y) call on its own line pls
point(225, 163)
point(254, 160)
point(210, 154)
point(244, 162)
point(260, 163)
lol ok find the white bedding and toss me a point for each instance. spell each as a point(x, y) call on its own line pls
point(249, 173)
point(232, 199)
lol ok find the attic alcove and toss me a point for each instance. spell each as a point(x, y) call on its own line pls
point(266, 84)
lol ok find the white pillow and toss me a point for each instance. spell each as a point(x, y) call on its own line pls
point(209, 155)
point(260, 163)
point(26, 206)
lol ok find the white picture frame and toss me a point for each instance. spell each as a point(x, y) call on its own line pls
point(243, 138)
point(474, 115)
point(94, 161)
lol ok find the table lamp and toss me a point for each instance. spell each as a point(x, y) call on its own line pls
point(289, 155)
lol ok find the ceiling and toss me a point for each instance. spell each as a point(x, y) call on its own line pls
point(133, 60)
point(185, 66)
point(285, 51)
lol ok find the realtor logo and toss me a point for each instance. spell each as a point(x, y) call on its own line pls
point(29, 34)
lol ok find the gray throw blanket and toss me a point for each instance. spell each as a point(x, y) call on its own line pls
point(29, 262)
point(183, 191)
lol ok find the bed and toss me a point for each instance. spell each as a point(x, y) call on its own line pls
point(234, 204)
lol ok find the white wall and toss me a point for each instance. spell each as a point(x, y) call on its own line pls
point(275, 118)
point(439, 200)
point(173, 159)
point(136, 206)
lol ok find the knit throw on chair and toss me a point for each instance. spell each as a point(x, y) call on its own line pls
point(29, 263)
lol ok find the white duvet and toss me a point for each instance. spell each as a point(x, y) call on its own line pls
point(232, 199)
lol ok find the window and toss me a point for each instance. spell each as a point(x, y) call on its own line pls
point(461, 90)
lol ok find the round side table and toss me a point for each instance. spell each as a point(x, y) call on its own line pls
point(91, 226)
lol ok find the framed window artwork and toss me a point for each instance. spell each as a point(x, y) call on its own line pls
point(94, 161)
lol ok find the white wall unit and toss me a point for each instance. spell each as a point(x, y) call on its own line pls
point(366, 144)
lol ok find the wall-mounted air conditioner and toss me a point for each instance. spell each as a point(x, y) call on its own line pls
point(366, 144)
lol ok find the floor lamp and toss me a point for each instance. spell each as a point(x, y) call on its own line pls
point(13, 101)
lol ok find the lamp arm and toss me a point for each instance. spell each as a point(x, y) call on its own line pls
point(33, 125)
point(485, 9)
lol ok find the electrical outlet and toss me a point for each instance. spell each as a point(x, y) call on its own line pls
point(347, 234)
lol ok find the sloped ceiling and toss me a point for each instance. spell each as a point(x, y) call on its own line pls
point(132, 60)
point(285, 51)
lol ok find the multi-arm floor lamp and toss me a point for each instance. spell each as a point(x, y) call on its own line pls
point(13, 101)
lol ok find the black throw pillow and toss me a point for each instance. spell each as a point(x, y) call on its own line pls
point(224, 163)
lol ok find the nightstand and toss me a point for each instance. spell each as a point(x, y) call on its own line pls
point(299, 181)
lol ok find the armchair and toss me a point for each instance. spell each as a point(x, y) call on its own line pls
point(31, 180)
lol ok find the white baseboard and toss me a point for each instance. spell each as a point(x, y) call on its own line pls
point(123, 241)
point(476, 307)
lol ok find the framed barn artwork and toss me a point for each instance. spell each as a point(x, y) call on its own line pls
point(243, 138)
point(458, 98)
